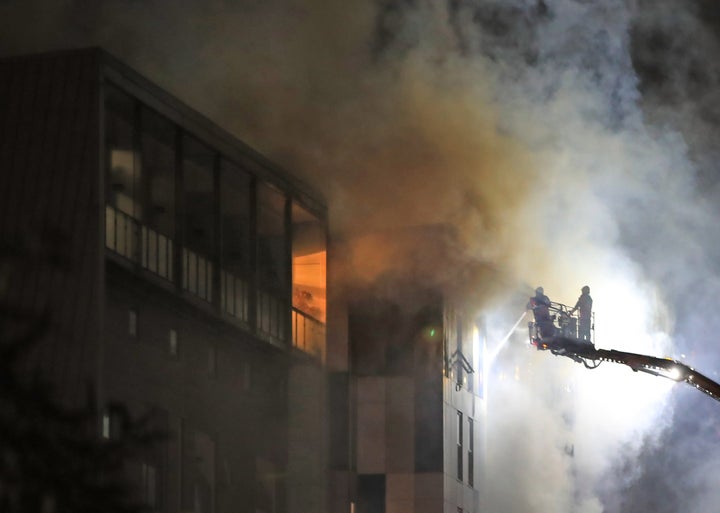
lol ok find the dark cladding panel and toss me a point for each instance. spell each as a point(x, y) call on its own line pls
point(371, 493)
point(49, 163)
point(339, 420)
point(429, 424)
point(371, 324)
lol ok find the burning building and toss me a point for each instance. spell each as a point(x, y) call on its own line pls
point(186, 277)
point(182, 274)
point(417, 404)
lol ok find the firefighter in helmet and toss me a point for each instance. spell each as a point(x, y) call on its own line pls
point(540, 305)
point(584, 309)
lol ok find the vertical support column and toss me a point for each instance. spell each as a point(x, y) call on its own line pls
point(141, 190)
point(287, 319)
point(178, 267)
point(217, 228)
point(252, 273)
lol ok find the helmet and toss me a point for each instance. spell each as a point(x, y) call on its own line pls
point(539, 290)
point(586, 290)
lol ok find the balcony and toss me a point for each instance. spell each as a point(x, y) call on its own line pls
point(308, 334)
point(153, 252)
point(125, 236)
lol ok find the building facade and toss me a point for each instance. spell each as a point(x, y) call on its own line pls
point(184, 276)
point(416, 367)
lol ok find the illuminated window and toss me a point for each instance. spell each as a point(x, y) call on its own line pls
point(309, 281)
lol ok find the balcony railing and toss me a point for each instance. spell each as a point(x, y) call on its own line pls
point(121, 233)
point(138, 243)
point(197, 276)
point(271, 313)
point(154, 251)
point(308, 334)
point(234, 295)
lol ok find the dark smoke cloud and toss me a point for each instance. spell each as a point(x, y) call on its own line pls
point(564, 141)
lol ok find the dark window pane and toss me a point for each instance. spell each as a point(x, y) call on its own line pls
point(272, 244)
point(198, 162)
point(371, 493)
point(235, 201)
point(429, 423)
point(199, 217)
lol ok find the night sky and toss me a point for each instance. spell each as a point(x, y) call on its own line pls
point(568, 142)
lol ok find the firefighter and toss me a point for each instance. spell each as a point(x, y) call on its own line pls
point(540, 305)
point(584, 307)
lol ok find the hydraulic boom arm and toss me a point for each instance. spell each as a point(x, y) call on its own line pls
point(587, 354)
point(559, 334)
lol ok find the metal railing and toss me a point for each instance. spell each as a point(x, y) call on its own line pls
point(197, 276)
point(234, 295)
point(121, 233)
point(156, 252)
point(271, 312)
point(127, 237)
point(308, 334)
point(140, 244)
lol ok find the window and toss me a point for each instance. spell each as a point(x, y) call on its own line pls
point(132, 323)
point(309, 278)
point(173, 348)
point(471, 452)
point(197, 482)
point(106, 425)
point(272, 243)
point(236, 252)
point(122, 174)
point(122, 171)
point(199, 218)
point(460, 445)
point(477, 359)
point(273, 264)
point(111, 424)
point(157, 148)
point(149, 485)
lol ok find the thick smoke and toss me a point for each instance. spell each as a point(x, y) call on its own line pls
point(565, 142)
